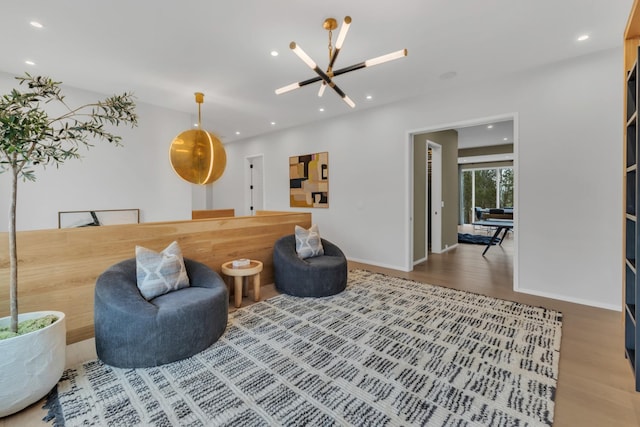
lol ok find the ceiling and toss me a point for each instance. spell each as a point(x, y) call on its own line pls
point(164, 51)
point(494, 133)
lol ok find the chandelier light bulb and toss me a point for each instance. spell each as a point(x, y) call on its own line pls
point(385, 58)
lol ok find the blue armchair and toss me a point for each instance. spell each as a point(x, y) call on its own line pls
point(132, 332)
point(318, 276)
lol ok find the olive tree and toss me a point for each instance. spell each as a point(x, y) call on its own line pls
point(29, 138)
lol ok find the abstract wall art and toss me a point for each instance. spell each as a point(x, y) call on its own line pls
point(309, 181)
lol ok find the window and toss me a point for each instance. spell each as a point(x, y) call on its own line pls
point(506, 187)
point(485, 188)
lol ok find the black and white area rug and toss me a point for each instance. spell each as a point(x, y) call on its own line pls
point(385, 352)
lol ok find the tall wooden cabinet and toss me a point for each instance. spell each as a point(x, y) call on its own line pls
point(631, 232)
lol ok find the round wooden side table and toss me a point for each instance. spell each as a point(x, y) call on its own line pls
point(240, 275)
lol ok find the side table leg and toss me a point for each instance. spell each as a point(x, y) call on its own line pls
point(256, 287)
point(238, 290)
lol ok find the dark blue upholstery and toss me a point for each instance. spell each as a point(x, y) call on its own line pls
point(132, 332)
point(312, 277)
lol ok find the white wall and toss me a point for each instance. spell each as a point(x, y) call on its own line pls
point(569, 160)
point(569, 174)
point(136, 175)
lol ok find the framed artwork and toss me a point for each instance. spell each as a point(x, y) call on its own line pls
point(309, 181)
point(74, 219)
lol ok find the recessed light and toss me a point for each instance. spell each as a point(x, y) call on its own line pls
point(274, 53)
point(29, 62)
point(36, 24)
point(195, 125)
point(237, 132)
point(273, 123)
point(583, 37)
point(490, 127)
point(321, 109)
point(369, 97)
point(448, 75)
point(505, 139)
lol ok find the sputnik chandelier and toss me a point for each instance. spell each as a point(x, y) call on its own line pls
point(326, 77)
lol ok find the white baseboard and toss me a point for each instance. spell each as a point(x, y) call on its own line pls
point(447, 249)
point(524, 291)
point(395, 267)
point(570, 299)
point(378, 264)
point(455, 245)
point(419, 261)
point(443, 250)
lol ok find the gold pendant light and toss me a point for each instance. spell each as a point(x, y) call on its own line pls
point(198, 156)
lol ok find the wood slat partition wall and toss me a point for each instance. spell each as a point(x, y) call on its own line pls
point(213, 213)
point(58, 267)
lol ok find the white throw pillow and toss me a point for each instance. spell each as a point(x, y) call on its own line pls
point(308, 243)
point(160, 273)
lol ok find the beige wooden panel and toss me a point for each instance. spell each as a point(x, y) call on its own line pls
point(213, 213)
point(631, 43)
point(632, 30)
point(58, 267)
point(630, 53)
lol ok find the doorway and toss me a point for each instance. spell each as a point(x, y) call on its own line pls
point(415, 223)
point(254, 184)
point(431, 200)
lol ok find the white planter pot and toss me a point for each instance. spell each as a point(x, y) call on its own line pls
point(31, 364)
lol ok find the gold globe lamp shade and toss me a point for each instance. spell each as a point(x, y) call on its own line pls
point(198, 156)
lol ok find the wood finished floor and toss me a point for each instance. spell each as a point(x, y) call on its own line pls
point(595, 384)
